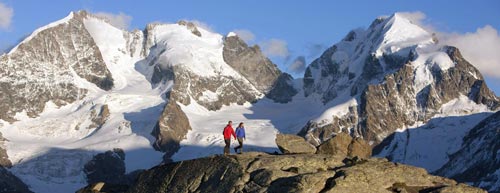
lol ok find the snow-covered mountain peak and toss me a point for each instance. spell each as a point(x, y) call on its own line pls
point(399, 33)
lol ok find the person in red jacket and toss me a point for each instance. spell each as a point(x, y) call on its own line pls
point(228, 131)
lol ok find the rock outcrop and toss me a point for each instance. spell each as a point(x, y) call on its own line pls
point(9, 183)
point(258, 69)
point(107, 167)
point(4, 158)
point(259, 172)
point(478, 160)
point(292, 144)
point(170, 130)
point(344, 145)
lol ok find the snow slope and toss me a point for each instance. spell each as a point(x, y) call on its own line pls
point(263, 120)
point(445, 131)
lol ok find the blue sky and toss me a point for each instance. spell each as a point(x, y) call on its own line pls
point(289, 29)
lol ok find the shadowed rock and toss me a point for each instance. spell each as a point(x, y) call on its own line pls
point(108, 167)
point(10, 183)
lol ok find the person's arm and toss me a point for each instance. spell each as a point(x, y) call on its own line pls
point(244, 135)
point(234, 134)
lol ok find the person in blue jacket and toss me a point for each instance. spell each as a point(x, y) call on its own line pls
point(240, 135)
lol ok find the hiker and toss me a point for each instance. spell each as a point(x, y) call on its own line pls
point(240, 135)
point(228, 131)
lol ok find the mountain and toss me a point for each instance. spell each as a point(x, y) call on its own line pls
point(80, 86)
point(478, 161)
point(390, 76)
point(80, 96)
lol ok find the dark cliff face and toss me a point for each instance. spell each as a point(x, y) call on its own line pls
point(10, 183)
point(478, 161)
point(41, 69)
point(251, 63)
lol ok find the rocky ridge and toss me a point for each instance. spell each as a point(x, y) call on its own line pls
point(325, 171)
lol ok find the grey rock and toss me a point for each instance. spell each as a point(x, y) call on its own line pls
point(344, 145)
point(191, 27)
point(273, 173)
point(212, 174)
point(283, 90)
point(292, 144)
point(170, 129)
point(9, 183)
point(379, 175)
point(107, 167)
point(99, 118)
point(4, 157)
point(258, 69)
point(251, 63)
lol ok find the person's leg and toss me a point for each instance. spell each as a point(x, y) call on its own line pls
point(226, 148)
point(240, 141)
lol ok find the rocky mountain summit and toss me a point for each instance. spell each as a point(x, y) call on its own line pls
point(387, 77)
point(306, 172)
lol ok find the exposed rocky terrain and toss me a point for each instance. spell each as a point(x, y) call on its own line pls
point(325, 171)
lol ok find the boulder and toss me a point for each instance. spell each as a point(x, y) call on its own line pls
point(360, 148)
point(344, 145)
point(292, 144)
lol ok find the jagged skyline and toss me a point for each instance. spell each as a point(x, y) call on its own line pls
point(291, 34)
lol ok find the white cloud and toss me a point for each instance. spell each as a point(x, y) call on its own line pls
point(298, 65)
point(480, 48)
point(245, 35)
point(275, 47)
point(120, 20)
point(6, 14)
point(203, 25)
point(416, 17)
